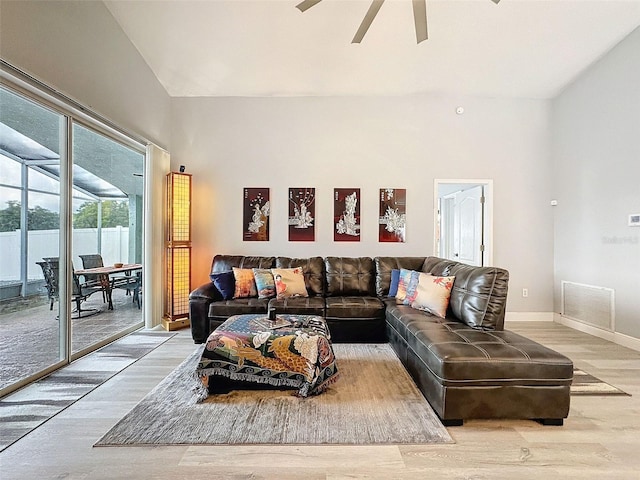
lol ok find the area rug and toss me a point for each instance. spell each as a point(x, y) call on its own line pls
point(373, 402)
point(586, 384)
point(23, 411)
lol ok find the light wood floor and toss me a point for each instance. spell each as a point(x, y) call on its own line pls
point(600, 439)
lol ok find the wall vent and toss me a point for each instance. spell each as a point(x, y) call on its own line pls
point(589, 304)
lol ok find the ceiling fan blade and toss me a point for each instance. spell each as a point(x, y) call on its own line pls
point(367, 20)
point(307, 4)
point(420, 18)
point(496, 1)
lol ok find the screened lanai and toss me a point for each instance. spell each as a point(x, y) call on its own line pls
point(67, 191)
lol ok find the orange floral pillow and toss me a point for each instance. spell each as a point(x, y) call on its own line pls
point(245, 283)
point(432, 294)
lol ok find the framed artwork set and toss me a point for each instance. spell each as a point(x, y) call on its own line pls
point(255, 216)
point(301, 219)
point(302, 214)
point(393, 215)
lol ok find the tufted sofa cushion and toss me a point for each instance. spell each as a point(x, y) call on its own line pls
point(354, 307)
point(223, 309)
point(225, 263)
point(313, 269)
point(349, 276)
point(458, 356)
point(384, 265)
point(299, 305)
point(479, 294)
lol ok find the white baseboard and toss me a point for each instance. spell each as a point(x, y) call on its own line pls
point(615, 337)
point(529, 317)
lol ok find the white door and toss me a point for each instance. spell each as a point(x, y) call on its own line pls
point(462, 219)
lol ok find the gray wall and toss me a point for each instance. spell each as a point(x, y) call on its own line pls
point(79, 49)
point(596, 179)
point(370, 143)
point(230, 143)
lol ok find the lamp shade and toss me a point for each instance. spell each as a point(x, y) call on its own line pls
point(178, 251)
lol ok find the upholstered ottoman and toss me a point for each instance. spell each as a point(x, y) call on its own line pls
point(288, 351)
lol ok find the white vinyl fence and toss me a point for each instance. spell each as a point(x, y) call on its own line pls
point(44, 243)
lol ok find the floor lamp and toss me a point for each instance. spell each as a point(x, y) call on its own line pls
point(178, 251)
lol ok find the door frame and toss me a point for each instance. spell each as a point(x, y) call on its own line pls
point(488, 214)
point(71, 113)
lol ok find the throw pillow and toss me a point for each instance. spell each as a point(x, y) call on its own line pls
point(225, 282)
point(407, 282)
point(264, 282)
point(393, 286)
point(289, 282)
point(245, 283)
point(432, 294)
point(403, 280)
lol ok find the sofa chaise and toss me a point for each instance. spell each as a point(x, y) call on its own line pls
point(465, 364)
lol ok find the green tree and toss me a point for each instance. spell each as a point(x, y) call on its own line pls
point(38, 218)
point(114, 213)
point(10, 217)
point(42, 219)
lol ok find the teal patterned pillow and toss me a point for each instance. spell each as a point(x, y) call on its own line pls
point(265, 283)
point(407, 284)
point(412, 288)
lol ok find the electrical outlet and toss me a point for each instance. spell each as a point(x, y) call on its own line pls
point(525, 292)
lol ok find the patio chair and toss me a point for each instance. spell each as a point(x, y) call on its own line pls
point(50, 279)
point(93, 260)
point(133, 287)
point(79, 293)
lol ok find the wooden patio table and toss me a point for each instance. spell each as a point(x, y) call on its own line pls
point(104, 273)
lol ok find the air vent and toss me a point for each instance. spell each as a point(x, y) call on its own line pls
point(588, 304)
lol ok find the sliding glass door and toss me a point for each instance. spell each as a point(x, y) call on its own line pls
point(31, 141)
point(70, 196)
point(107, 230)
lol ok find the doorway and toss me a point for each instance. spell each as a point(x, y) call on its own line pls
point(463, 217)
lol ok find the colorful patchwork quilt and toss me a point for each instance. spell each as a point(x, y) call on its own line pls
point(291, 351)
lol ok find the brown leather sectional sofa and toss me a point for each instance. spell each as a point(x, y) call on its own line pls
point(466, 365)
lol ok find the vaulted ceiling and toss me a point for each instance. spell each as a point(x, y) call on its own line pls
point(517, 48)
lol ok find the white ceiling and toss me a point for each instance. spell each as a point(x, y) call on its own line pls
point(518, 48)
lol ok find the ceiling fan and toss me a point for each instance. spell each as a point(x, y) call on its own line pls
point(419, 16)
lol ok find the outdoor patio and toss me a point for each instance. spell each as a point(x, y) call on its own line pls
point(30, 335)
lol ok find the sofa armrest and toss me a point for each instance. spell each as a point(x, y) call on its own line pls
point(208, 291)
point(199, 301)
point(479, 294)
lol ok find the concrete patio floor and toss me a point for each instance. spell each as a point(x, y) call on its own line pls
point(30, 336)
